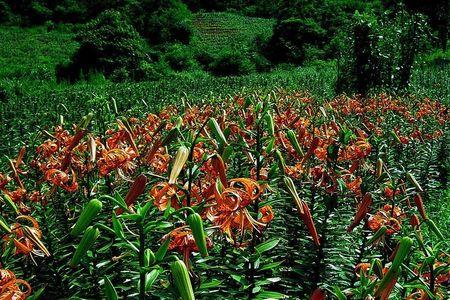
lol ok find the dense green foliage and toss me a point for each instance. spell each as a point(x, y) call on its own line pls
point(109, 45)
point(28, 83)
point(161, 21)
point(393, 36)
point(381, 54)
point(293, 38)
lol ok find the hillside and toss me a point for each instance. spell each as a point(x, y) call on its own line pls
point(219, 30)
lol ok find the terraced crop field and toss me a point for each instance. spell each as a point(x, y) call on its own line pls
point(219, 30)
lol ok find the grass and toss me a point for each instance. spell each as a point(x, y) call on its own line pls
point(33, 53)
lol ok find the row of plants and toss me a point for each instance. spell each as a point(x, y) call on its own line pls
point(260, 196)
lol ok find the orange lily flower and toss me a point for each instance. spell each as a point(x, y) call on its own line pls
point(355, 186)
point(385, 217)
point(116, 159)
point(229, 208)
point(160, 162)
point(26, 238)
point(364, 268)
point(10, 286)
point(183, 241)
point(165, 193)
point(61, 179)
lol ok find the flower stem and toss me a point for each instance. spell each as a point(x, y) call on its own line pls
point(141, 261)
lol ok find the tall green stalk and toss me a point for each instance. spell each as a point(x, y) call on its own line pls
point(141, 261)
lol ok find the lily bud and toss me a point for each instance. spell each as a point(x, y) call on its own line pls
point(308, 220)
point(180, 160)
point(195, 222)
point(181, 280)
point(219, 166)
point(413, 180)
point(419, 203)
point(379, 170)
point(363, 209)
point(135, 191)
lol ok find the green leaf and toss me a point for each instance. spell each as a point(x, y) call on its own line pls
point(271, 265)
point(150, 279)
point(104, 227)
point(270, 145)
point(270, 295)
point(239, 279)
point(161, 252)
point(212, 284)
point(110, 290)
point(266, 246)
point(144, 210)
point(131, 246)
point(117, 226)
point(132, 217)
point(36, 295)
point(338, 293)
point(8, 201)
point(118, 199)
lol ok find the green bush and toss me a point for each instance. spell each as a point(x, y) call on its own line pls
point(70, 11)
point(204, 57)
point(437, 58)
point(162, 21)
point(256, 53)
point(39, 13)
point(231, 63)
point(6, 15)
point(109, 45)
point(179, 57)
point(262, 64)
point(291, 38)
point(154, 70)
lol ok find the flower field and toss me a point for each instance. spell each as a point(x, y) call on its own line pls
point(258, 196)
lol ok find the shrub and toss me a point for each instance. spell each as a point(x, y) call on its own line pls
point(70, 11)
point(437, 58)
point(262, 64)
point(161, 21)
point(154, 71)
point(6, 15)
point(290, 39)
point(256, 53)
point(179, 58)
point(109, 45)
point(230, 62)
point(204, 57)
